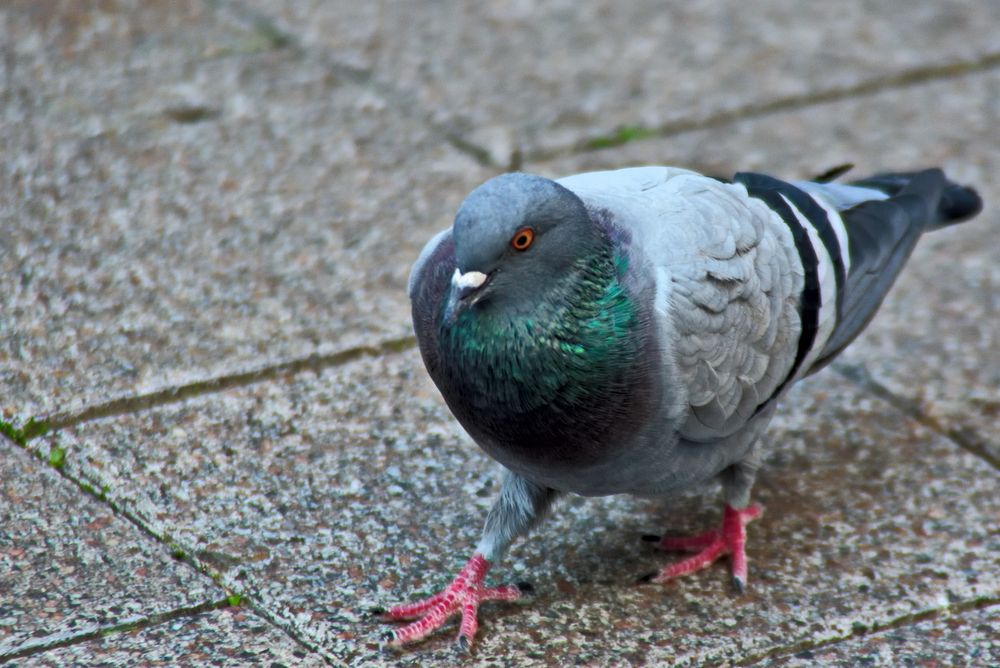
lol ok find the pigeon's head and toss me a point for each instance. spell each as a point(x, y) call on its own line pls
point(514, 235)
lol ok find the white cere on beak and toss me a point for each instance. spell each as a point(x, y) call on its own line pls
point(470, 279)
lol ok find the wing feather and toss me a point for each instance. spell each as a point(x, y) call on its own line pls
point(729, 304)
point(729, 276)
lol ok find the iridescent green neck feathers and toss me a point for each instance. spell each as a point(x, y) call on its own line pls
point(560, 347)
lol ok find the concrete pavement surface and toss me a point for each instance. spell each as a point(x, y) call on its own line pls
point(220, 446)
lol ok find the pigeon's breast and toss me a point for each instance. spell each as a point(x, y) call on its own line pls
point(558, 443)
point(561, 414)
point(561, 395)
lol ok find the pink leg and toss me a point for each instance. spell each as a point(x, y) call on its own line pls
point(729, 539)
point(462, 596)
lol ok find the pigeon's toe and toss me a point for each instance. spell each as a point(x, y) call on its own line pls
point(462, 596)
point(729, 539)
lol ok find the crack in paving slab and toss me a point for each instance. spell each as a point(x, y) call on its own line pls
point(862, 630)
point(967, 439)
point(57, 640)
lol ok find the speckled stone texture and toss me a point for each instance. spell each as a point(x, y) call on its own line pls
point(193, 190)
point(220, 638)
point(966, 639)
point(193, 208)
point(325, 496)
point(70, 566)
point(539, 76)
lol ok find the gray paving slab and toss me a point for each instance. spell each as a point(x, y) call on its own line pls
point(188, 193)
point(935, 341)
point(231, 637)
point(69, 566)
point(965, 639)
point(549, 75)
point(175, 207)
point(326, 494)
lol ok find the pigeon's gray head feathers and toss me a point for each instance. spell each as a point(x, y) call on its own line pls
point(490, 227)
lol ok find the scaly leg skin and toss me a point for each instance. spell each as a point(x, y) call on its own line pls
point(729, 539)
point(463, 595)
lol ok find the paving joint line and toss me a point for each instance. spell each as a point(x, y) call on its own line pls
point(860, 630)
point(289, 630)
point(402, 100)
point(405, 101)
point(48, 643)
point(266, 26)
point(967, 439)
point(234, 596)
point(902, 79)
point(35, 427)
point(132, 403)
point(260, 23)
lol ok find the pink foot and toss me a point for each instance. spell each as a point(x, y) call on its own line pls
point(463, 595)
point(729, 539)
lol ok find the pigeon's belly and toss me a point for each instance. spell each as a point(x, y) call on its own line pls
point(653, 462)
point(639, 469)
point(640, 465)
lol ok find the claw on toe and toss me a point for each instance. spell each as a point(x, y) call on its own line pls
point(462, 596)
point(729, 539)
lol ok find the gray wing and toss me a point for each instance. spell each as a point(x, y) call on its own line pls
point(728, 281)
point(734, 307)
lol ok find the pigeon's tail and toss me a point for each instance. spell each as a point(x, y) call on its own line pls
point(956, 203)
point(881, 219)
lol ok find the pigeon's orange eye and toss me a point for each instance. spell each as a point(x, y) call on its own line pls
point(522, 239)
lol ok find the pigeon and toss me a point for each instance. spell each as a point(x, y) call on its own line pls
point(632, 332)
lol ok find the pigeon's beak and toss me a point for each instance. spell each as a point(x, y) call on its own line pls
point(465, 291)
